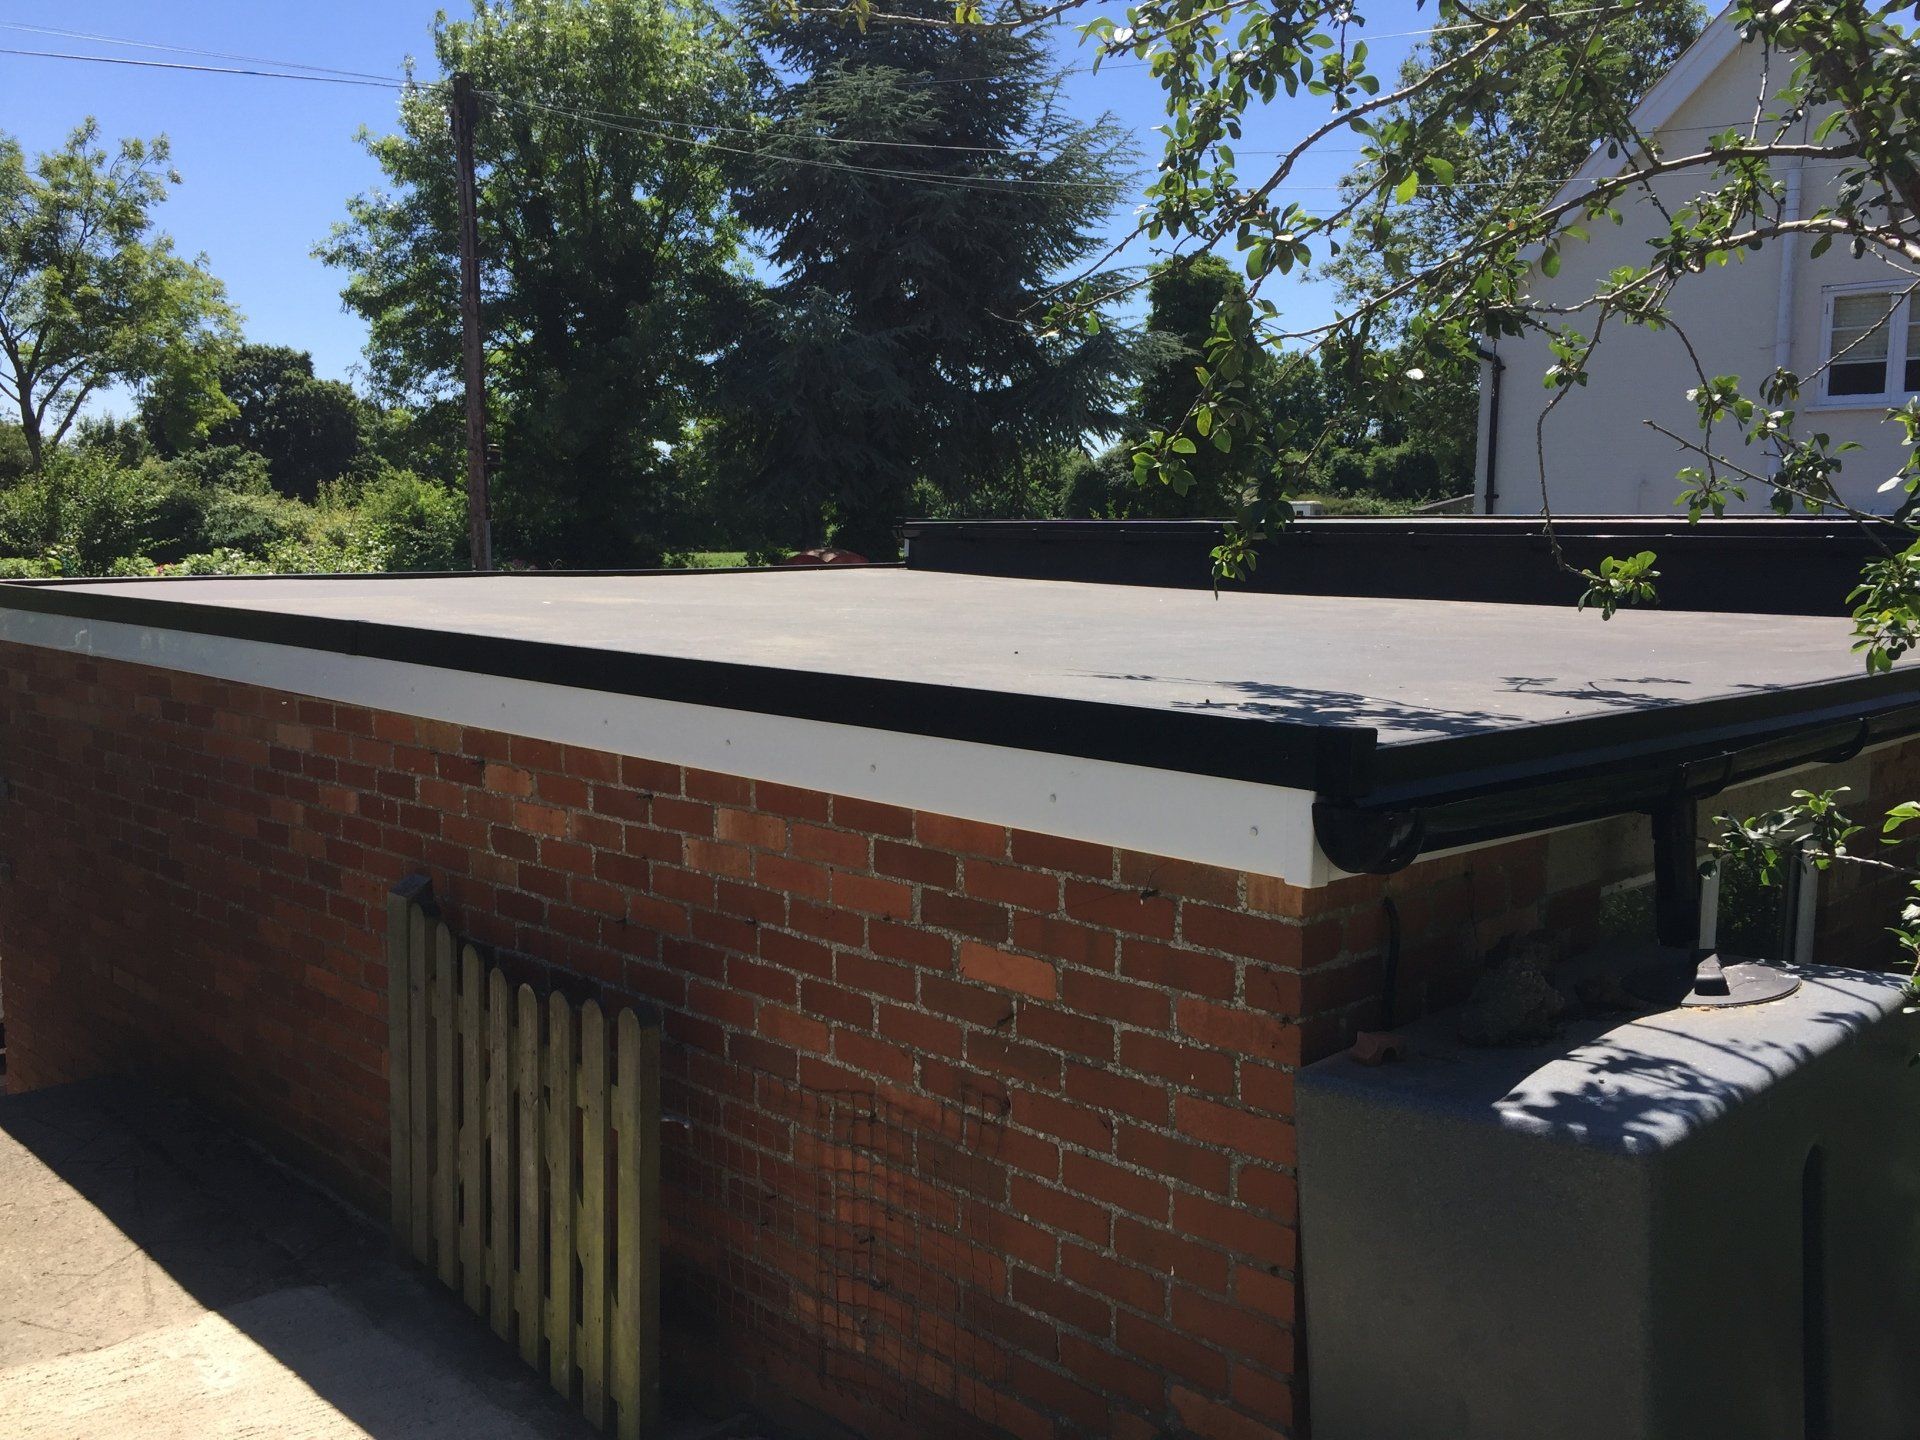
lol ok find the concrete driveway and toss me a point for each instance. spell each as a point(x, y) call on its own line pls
point(160, 1280)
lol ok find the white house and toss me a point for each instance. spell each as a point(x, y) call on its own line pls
point(1774, 307)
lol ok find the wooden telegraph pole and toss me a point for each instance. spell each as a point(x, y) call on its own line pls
point(464, 108)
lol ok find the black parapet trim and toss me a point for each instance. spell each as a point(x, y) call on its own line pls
point(1762, 565)
point(1328, 759)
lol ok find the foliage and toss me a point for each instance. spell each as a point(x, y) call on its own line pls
point(402, 522)
point(920, 191)
point(15, 458)
point(610, 262)
point(90, 295)
point(84, 508)
point(307, 430)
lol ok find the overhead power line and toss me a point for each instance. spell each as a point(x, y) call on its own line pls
point(206, 69)
point(189, 50)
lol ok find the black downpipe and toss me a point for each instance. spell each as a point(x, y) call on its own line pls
point(1676, 874)
point(1492, 357)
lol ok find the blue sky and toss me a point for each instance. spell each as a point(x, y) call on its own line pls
point(268, 164)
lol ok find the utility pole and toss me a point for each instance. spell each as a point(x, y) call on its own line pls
point(465, 107)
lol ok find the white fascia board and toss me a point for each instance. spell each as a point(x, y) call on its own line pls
point(1236, 824)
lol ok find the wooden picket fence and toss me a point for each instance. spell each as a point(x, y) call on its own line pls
point(526, 1163)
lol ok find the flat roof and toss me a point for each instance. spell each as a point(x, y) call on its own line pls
point(1345, 697)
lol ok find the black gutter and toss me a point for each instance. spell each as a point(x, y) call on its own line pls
point(1379, 836)
point(1492, 357)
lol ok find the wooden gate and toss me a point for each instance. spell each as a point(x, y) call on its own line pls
point(526, 1162)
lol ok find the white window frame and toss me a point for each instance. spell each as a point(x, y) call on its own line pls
point(1897, 356)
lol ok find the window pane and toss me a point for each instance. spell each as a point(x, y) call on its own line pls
point(1870, 379)
point(1861, 312)
point(1858, 343)
point(1913, 350)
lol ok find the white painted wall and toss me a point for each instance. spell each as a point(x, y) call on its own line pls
point(1599, 455)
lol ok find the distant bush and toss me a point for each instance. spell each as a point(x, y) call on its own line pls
point(85, 505)
point(402, 522)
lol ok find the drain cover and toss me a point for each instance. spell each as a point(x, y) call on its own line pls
point(1714, 982)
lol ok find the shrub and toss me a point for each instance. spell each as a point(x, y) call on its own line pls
point(401, 522)
point(251, 522)
point(83, 504)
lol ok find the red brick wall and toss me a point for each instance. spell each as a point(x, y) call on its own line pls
point(973, 1124)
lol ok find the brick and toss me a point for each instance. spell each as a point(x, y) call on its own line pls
point(1087, 1313)
point(1271, 1294)
point(1266, 1089)
point(997, 1055)
point(735, 790)
point(921, 1032)
point(1054, 852)
point(1212, 1222)
point(1063, 940)
point(872, 977)
point(1012, 885)
point(1237, 933)
point(1165, 1348)
point(1128, 1284)
point(971, 1003)
point(789, 1027)
point(829, 847)
point(540, 819)
point(1112, 908)
point(1144, 1195)
point(889, 820)
point(1137, 1005)
point(1209, 1419)
point(1162, 1154)
point(910, 945)
point(1062, 1030)
point(1122, 1094)
point(873, 896)
point(940, 910)
point(914, 863)
point(1263, 1394)
point(1021, 973)
point(1180, 877)
point(1169, 1253)
point(1064, 1120)
point(966, 837)
point(1233, 1326)
point(874, 1056)
point(1245, 1032)
point(1280, 991)
point(745, 827)
point(1184, 1065)
point(1054, 1208)
point(688, 817)
point(791, 877)
point(1212, 1123)
point(1274, 1190)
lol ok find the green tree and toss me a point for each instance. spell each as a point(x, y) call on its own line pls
point(920, 190)
point(611, 267)
point(90, 294)
point(1183, 296)
point(307, 429)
